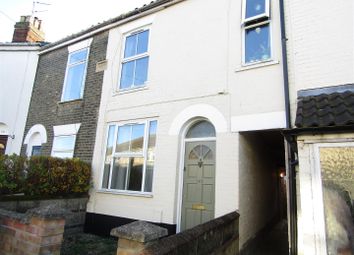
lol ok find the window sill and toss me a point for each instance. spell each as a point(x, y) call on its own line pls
point(126, 193)
point(129, 91)
point(71, 101)
point(246, 67)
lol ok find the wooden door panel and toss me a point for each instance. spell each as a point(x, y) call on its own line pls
point(208, 194)
point(198, 184)
point(193, 193)
point(207, 216)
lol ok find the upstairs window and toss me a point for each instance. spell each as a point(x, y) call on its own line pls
point(129, 157)
point(75, 75)
point(255, 10)
point(135, 63)
point(256, 24)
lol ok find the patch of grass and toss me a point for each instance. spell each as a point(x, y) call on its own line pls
point(88, 244)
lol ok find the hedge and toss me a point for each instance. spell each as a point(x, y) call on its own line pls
point(43, 176)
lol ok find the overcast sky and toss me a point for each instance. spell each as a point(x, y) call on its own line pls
point(62, 17)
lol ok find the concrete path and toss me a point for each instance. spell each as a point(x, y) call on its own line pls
point(274, 243)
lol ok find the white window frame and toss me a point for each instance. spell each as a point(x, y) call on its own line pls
point(313, 222)
point(256, 21)
point(115, 154)
point(244, 63)
point(318, 203)
point(72, 50)
point(266, 14)
point(133, 58)
point(70, 130)
point(71, 150)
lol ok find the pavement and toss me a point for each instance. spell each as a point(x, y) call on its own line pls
point(275, 242)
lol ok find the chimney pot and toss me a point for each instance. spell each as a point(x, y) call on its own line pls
point(27, 31)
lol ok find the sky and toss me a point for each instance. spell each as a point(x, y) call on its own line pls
point(62, 17)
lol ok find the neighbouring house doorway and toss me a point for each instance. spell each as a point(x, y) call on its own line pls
point(3, 142)
point(198, 199)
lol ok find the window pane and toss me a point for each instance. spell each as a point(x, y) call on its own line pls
point(130, 46)
point(109, 151)
point(201, 129)
point(337, 173)
point(135, 174)
point(119, 173)
point(257, 44)
point(123, 142)
point(74, 82)
point(143, 40)
point(127, 76)
point(78, 56)
point(137, 139)
point(141, 71)
point(152, 135)
point(105, 180)
point(150, 157)
point(64, 143)
point(148, 176)
point(110, 140)
point(254, 8)
point(36, 150)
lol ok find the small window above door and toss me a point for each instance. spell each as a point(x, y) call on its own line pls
point(201, 129)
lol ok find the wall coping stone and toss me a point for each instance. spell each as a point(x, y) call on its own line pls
point(45, 212)
point(140, 231)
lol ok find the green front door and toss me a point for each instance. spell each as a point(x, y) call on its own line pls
point(198, 184)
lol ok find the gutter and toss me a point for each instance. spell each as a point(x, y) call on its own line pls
point(130, 17)
point(290, 152)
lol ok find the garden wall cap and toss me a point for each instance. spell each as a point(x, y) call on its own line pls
point(47, 212)
point(140, 231)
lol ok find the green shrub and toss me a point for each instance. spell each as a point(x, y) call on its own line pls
point(44, 176)
point(12, 174)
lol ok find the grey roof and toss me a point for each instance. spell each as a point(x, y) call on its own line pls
point(327, 107)
point(21, 44)
point(121, 17)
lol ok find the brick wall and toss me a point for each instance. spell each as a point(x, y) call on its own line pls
point(46, 108)
point(218, 236)
point(74, 221)
point(20, 234)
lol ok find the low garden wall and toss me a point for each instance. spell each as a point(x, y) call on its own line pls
point(27, 183)
point(75, 208)
point(219, 236)
point(38, 231)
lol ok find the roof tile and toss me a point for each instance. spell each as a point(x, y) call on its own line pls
point(324, 110)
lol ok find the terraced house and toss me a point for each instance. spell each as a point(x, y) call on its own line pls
point(191, 109)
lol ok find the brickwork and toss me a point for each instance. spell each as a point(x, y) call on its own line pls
point(74, 220)
point(219, 236)
point(35, 236)
point(47, 109)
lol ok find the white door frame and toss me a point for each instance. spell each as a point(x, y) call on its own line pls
point(182, 152)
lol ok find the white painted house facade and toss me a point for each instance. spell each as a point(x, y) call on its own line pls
point(321, 73)
point(191, 80)
point(18, 65)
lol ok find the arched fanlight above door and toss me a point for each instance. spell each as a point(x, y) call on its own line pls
point(201, 129)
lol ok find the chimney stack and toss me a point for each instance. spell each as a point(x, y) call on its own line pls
point(28, 29)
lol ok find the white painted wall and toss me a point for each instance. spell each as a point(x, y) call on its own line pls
point(320, 44)
point(194, 71)
point(320, 53)
point(18, 65)
point(258, 190)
